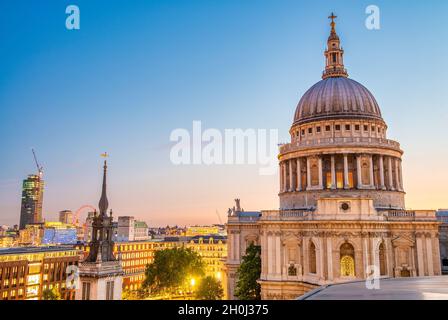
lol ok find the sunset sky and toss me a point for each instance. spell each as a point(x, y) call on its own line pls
point(139, 69)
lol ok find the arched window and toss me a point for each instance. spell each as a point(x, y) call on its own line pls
point(312, 257)
point(382, 254)
point(347, 262)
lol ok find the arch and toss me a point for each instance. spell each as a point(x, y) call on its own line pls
point(312, 257)
point(347, 260)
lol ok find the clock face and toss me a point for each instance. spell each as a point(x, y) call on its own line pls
point(345, 206)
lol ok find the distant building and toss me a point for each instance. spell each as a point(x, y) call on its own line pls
point(140, 231)
point(6, 242)
point(130, 229)
point(25, 273)
point(442, 216)
point(32, 198)
point(88, 227)
point(201, 230)
point(126, 228)
point(48, 233)
point(31, 235)
point(66, 216)
point(59, 233)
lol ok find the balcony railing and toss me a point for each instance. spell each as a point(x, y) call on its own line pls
point(293, 214)
point(412, 215)
point(306, 215)
point(350, 141)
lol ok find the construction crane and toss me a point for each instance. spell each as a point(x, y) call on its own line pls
point(219, 217)
point(40, 169)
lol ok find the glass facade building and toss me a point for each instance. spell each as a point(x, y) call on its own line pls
point(32, 197)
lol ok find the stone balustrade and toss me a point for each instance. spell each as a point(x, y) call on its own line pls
point(351, 141)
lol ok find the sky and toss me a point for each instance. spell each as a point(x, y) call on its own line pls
point(137, 70)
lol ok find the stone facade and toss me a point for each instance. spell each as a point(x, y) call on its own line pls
point(342, 213)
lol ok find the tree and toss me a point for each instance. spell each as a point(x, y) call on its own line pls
point(173, 270)
point(247, 287)
point(209, 289)
point(51, 294)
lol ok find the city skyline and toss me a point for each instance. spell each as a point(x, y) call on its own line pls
point(87, 94)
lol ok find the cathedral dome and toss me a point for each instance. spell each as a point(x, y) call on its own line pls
point(336, 97)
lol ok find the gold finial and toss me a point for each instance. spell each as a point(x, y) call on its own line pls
point(104, 155)
point(332, 17)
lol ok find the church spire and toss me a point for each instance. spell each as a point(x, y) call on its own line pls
point(104, 204)
point(334, 54)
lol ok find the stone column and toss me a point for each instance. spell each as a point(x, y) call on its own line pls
point(238, 245)
point(319, 168)
point(346, 186)
point(420, 257)
point(371, 179)
point(330, 258)
point(284, 177)
point(308, 173)
point(291, 177)
point(429, 256)
point(397, 175)
point(358, 171)
point(280, 176)
point(299, 175)
point(381, 164)
point(278, 264)
point(333, 173)
point(365, 255)
point(270, 254)
point(401, 174)
point(391, 180)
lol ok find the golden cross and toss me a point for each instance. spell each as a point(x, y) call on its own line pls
point(332, 17)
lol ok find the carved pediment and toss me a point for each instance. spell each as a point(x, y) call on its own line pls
point(403, 240)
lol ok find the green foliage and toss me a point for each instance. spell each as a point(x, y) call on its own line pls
point(209, 289)
point(247, 287)
point(172, 271)
point(51, 294)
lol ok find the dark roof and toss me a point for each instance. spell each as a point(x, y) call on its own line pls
point(20, 250)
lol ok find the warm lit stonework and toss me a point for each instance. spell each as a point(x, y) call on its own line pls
point(342, 207)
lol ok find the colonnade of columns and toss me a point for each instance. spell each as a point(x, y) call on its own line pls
point(341, 171)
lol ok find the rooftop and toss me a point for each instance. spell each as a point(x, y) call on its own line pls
point(418, 288)
point(25, 250)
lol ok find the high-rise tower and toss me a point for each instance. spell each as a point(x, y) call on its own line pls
point(32, 198)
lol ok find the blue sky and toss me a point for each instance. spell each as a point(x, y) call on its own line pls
point(136, 70)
